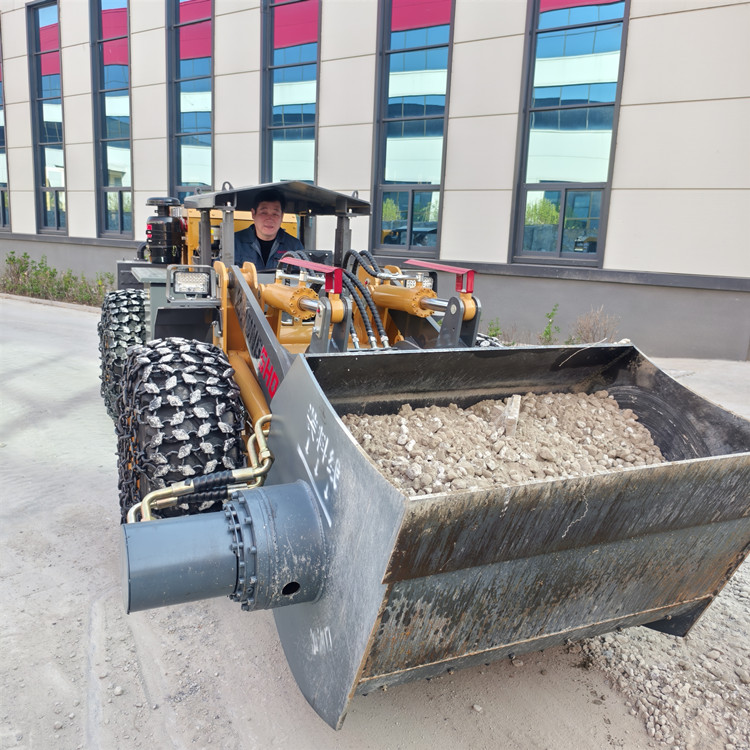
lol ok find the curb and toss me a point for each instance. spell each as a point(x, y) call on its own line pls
point(50, 303)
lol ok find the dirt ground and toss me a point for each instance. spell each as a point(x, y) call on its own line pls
point(76, 672)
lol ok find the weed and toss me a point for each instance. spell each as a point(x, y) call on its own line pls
point(29, 278)
point(493, 328)
point(547, 336)
point(594, 327)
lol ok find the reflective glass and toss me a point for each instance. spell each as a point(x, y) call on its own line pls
point(296, 54)
point(583, 14)
point(195, 49)
point(602, 92)
point(425, 210)
point(49, 81)
point(294, 114)
point(53, 166)
point(195, 160)
point(4, 208)
point(62, 213)
point(579, 41)
point(293, 154)
point(581, 225)
point(47, 21)
point(51, 130)
point(192, 10)
point(114, 18)
point(295, 74)
point(415, 106)
point(3, 169)
point(578, 14)
point(295, 24)
point(117, 164)
point(53, 215)
point(414, 151)
point(112, 213)
point(115, 77)
point(577, 152)
point(49, 216)
point(611, 11)
point(424, 59)
point(394, 214)
point(541, 221)
point(116, 115)
point(127, 212)
point(114, 57)
point(195, 105)
point(423, 37)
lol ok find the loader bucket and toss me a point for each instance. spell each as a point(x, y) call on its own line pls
point(415, 585)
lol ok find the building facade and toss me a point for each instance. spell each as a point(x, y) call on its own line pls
point(581, 155)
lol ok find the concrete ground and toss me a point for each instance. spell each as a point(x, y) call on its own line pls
point(76, 672)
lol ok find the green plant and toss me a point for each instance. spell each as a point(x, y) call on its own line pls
point(391, 211)
point(30, 278)
point(547, 336)
point(493, 328)
point(543, 211)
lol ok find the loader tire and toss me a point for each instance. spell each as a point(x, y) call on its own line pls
point(180, 416)
point(122, 325)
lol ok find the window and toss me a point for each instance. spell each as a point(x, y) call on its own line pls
point(112, 103)
point(191, 116)
point(569, 130)
point(411, 125)
point(49, 153)
point(291, 76)
point(4, 205)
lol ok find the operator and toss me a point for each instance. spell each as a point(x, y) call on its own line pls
point(264, 242)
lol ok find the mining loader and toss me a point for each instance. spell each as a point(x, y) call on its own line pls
point(239, 478)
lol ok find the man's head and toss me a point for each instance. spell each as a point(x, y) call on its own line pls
point(267, 213)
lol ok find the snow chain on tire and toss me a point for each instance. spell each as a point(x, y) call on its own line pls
point(122, 325)
point(180, 416)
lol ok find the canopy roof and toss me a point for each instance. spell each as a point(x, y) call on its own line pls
point(301, 198)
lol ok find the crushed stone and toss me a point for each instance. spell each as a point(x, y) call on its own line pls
point(437, 449)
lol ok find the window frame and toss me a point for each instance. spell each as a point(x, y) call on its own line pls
point(266, 98)
point(99, 92)
point(177, 188)
point(4, 190)
point(41, 191)
point(382, 120)
point(516, 253)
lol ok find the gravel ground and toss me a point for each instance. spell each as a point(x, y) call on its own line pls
point(77, 673)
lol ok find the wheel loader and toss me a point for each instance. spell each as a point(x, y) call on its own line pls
point(239, 478)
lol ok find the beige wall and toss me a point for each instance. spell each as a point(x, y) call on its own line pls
point(681, 178)
point(681, 183)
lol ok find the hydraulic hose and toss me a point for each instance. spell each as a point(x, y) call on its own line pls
point(361, 307)
point(365, 293)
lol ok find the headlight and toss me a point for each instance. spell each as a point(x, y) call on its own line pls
point(191, 282)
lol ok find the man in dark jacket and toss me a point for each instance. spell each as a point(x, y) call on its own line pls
point(264, 242)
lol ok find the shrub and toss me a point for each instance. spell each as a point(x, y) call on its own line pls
point(29, 278)
point(594, 327)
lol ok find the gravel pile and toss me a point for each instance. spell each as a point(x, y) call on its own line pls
point(556, 436)
point(692, 693)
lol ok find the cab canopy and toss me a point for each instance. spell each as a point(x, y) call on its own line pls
point(301, 198)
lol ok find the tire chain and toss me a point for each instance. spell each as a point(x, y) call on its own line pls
point(122, 325)
point(180, 415)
